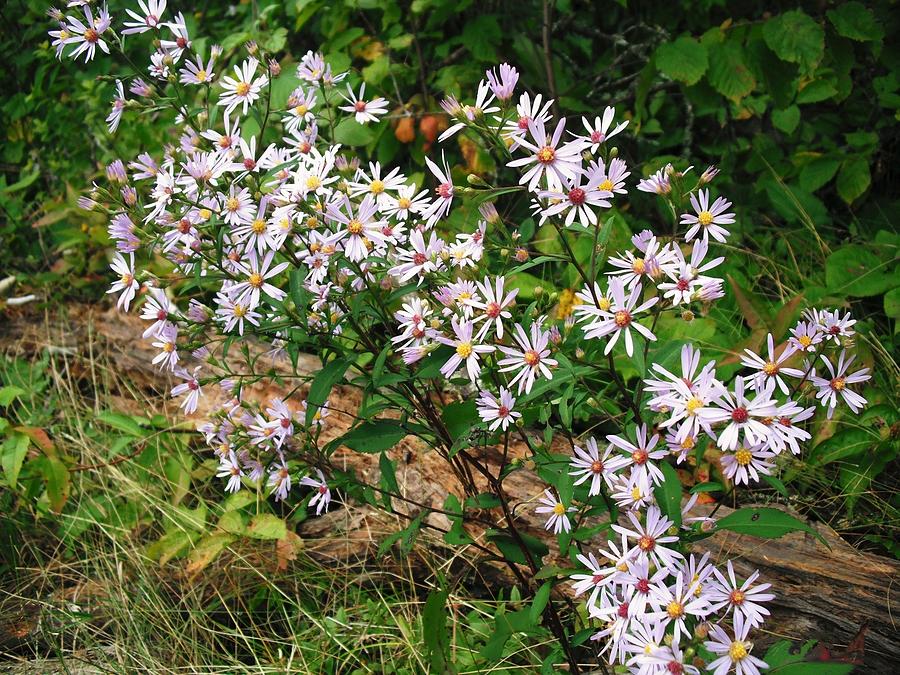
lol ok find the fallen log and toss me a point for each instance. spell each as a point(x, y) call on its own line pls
point(836, 594)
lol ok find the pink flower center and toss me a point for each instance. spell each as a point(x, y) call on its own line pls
point(739, 415)
point(596, 137)
point(643, 586)
point(285, 422)
point(646, 543)
point(492, 310)
point(683, 284)
point(359, 106)
point(419, 258)
point(162, 315)
point(181, 42)
point(640, 456)
point(531, 358)
point(835, 330)
point(523, 122)
point(502, 411)
point(597, 466)
point(323, 489)
point(249, 164)
point(675, 668)
point(577, 196)
point(90, 35)
point(444, 190)
point(623, 610)
point(193, 386)
point(597, 578)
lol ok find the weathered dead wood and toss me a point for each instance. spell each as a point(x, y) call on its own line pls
point(826, 594)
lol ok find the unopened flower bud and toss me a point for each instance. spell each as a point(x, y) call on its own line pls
point(538, 290)
point(579, 353)
point(252, 47)
point(520, 423)
point(521, 255)
point(529, 464)
point(707, 526)
point(504, 252)
point(274, 68)
point(475, 179)
point(687, 315)
point(700, 632)
point(593, 403)
point(613, 152)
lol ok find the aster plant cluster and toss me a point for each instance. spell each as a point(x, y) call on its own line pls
point(268, 228)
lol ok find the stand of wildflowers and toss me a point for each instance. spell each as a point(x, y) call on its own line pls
point(268, 227)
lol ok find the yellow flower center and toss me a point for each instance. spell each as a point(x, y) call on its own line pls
point(376, 187)
point(770, 368)
point(688, 443)
point(546, 155)
point(604, 304)
point(531, 357)
point(300, 110)
point(606, 185)
point(354, 227)
point(638, 266)
point(705, 218)
point(205, 214)
point(743, 456)
point(693, 405)
point(242, 88)
point(559, 509)
point(202, 75)
point(805, 340)
point(738, 651)
point(635, 494)
point(675, 609)
point(240, 311)
point(311, 222)
point(258, 226)
point(313, 182)
point(404, 202)
point(126, 279)
point(464, 349)
point(255, 280)
point(838, 383)
point(232, 204)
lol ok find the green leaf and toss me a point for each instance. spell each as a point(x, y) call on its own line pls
point(321, 386)
point(9, 394)
point(541, 598)
point(728, 73)
point(684, 60)
point(267, 526)
point(854, 270)
point(122, 422)
point(795, 37)
point(668, 493)
point(892, 303)
point(434, 630)
point(767, 523)
point(818, 172)
point(13, 454)
point(817, 91)
point(855, 21)
point(786, 120)
point(374, 436)
point(842, 445)
point(853, 179)
point(707, 487)
point(388, 481)
point(459, 418)
point(350, 132)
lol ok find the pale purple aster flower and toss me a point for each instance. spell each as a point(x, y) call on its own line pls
point(504, 83)
point(420, 259)
point(167, 343)
point(550, 160)
point(784, 432)
point(834, 326)
point(708, 218)
point(89, 35)
point(497, 410)
point(230, 468)
point(234, 312)
point(806, 335)
point(242, 89)
point(257, 272)
point(158, 309)
point(532, 357)
point(707, 176)
point(649, 537)
point(118, 107)
point(687, 278)
point(735, 652)
point(467, 352)
point(191, 387)
point(279, 481)
point(140, 88)
point(639, 583)
point(126, 283)
point(597, 580)
point(237, 206)
point(598, 132)
point(150, 20)
point(194, 72)
point(641, 454)
point(745, 415)
point(357, 228)
point(493, 304)
point(659, 183)
point(577, 198)
point(528, 110)
point(557, 521)
point(364, 111)
point(829, 389)
point(617, 616)
point(321, 492)
point(588, 463)
point(440, 207)
point(677, 603)
point(620, 317)
point(771, 368)
point(319, 416)
point(743, 598)
point(747, 463)
point(468, 113)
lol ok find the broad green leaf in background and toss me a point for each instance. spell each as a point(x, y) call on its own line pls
point(684, 60)
point(853, 179)
point(350, 132)
point(854, 270)
point(374, 436)
point(768, 523)
point(795, 37)
point(787, 119)
point(856, 21)
point(267, 526)
point(434, 630)
point(321, 386)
